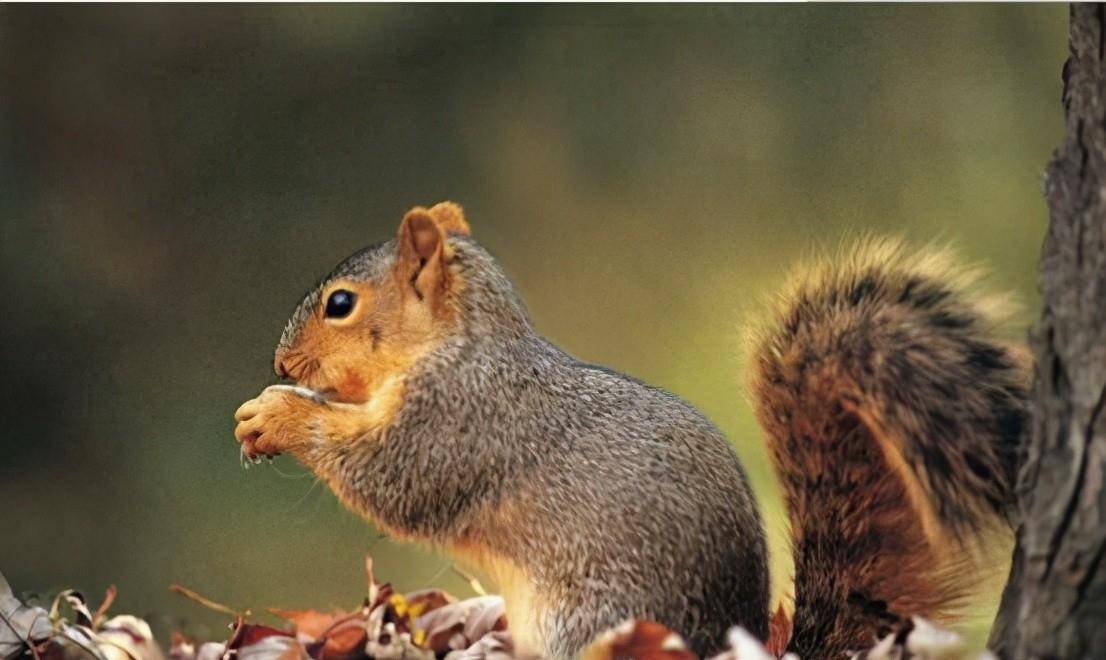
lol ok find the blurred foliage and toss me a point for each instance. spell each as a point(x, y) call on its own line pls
point(172, 178)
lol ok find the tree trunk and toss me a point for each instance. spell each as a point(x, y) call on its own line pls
point(1055, 605)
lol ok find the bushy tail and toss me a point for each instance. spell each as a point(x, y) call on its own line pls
point(893, 416)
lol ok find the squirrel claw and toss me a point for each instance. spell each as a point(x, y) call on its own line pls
point(253, 452)
point(269, 422)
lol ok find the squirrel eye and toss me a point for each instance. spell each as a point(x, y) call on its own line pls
point(340, 304)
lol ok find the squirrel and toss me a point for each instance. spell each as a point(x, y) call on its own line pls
point(418, 389)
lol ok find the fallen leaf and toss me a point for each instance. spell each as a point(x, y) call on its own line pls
point(182, 647)
point(496, 645)
point(457, 626)
point(211, 651)
point(189, 649)
point(73, 643)
point(126, 637)
point(392, 638)
point(928, 642)
point(421, 602)
point(272, 647)
point(19, 623)
point(638, 640)
point(75, 601)
point(335, 635)
point(249, 634)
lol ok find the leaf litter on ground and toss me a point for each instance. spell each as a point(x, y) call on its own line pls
point(429, 624)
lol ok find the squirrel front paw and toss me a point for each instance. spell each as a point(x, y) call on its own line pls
point(278, 420)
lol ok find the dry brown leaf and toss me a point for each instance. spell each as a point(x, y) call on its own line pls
point(459, 625)
point(638, 640)
point(425, 600)
point(328, 635)
point(249, 634)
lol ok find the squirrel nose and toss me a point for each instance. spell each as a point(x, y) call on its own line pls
point(291, 364)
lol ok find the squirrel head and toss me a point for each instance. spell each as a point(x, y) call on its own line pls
point(379, 311)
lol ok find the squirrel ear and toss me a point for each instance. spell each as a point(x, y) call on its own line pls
point(421, 260)
point(451, 218)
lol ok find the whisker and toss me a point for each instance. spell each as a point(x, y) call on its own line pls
point(304, 496)
point(300, 367)
point(433, 579)
point(303, 475)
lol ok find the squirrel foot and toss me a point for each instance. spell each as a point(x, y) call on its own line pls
point(277, 420)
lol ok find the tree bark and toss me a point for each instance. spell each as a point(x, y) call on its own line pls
point(1055, 604)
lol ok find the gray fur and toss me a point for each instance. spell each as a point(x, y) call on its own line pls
point(626, 501)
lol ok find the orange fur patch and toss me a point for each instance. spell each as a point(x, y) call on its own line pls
point(352, 387)
point(451, 218)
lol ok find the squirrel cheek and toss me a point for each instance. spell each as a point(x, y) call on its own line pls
point(352, 388)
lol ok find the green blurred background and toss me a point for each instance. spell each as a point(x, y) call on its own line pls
point(173, 178)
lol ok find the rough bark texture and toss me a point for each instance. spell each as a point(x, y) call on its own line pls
point(1055, 605)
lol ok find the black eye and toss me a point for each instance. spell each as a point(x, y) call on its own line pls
point(340, 304)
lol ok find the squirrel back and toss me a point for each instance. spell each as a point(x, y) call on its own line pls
point(893, 416)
